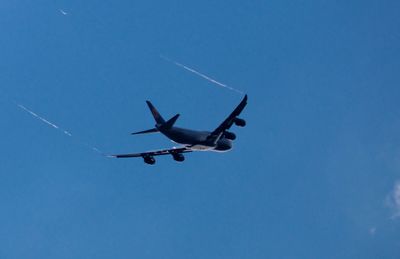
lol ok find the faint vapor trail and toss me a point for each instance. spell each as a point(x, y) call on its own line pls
point(56, 127)
point(200, 74)
point(43, 119)
point(63, 12)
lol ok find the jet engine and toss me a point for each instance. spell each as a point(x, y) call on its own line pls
point(149, 160)
point(178, 157)
point(240, 122)
point(230, 135)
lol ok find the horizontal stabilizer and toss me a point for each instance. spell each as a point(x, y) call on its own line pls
point(168, 124)
point(154, 130)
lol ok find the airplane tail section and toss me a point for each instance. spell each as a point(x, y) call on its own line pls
point(157, 116)
point(170, 123)
point(161, 123)
point(166, 125)
point(145, 131)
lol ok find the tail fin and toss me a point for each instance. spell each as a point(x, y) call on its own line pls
point(168, 124)
point(161, 123)
point(157, 116)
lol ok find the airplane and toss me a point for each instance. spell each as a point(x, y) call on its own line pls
point(218, 140)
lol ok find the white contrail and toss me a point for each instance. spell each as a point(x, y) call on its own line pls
point(42, 119)
point(201, 75)
point(63, 12)
point(56, 127)
point(66, 132)
point(95, 149)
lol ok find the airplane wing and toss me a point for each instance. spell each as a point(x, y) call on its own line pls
point(160, 152)
point(227, 123)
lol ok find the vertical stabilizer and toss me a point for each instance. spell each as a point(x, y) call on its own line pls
point(157, 116)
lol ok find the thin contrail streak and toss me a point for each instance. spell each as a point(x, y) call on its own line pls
point(56, 127)
point(63, 12)
point(201, 74)
point(42, 119)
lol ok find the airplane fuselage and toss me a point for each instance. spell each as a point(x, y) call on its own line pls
point(196, 140)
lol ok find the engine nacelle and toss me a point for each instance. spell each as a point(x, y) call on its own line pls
point(178, 157)
point(230, 135)
point(240, 122)
point(149, 160)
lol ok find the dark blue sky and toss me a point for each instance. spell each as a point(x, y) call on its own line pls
point(315, 174)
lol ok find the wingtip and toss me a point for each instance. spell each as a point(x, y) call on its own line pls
point(150, 105)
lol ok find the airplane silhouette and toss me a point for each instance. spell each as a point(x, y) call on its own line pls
point(218, 140)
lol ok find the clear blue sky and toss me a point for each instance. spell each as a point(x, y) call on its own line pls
point(313, 175)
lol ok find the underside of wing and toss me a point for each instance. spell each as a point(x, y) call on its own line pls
point(148, 156)
point(230, 120)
